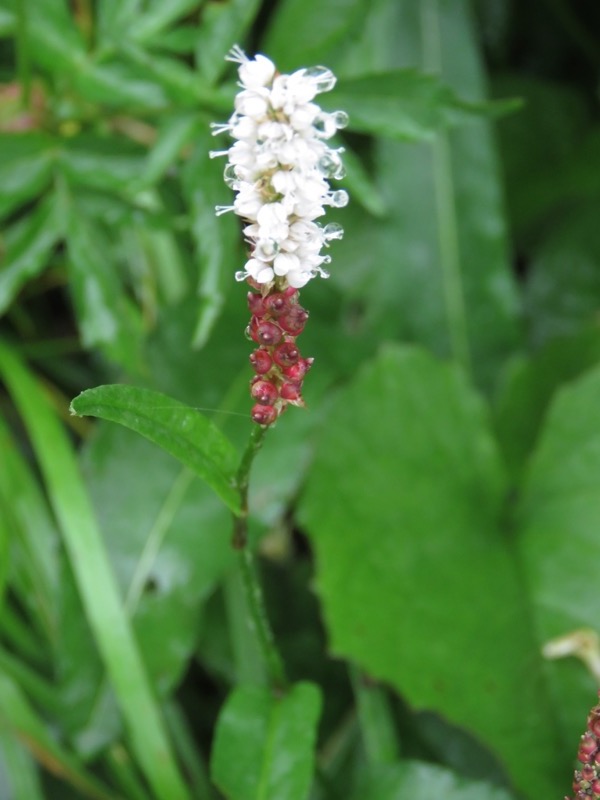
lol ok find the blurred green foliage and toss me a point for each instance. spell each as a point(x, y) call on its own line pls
point(425, 526)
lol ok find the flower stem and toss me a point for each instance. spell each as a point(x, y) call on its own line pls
point(258, 620)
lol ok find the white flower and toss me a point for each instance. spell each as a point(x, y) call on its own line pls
point(279, 166)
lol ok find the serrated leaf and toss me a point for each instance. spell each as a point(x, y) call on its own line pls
point(180, 430)
point(416, 580)
point(264, 745)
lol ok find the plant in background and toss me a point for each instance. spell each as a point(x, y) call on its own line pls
point(279, 167)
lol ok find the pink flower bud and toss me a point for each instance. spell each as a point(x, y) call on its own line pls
point(290, 391)
point(264, 392)
point(261, 361)
point(263, 415)
point(587, 749)
point(297, 371)
point(293, 321)
point(276, 304)
point(286, 354)
point(268, 333)
point(256, 304)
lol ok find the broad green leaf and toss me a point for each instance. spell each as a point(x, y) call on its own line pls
point(564, 281)
point(403, 104)
point(180, 430)
point(529, 387)
point(95, 580)
point(305, 32)
point(25, 168)
point(421, 781)
point(18, 718)
point(437, 270)
point(417, 582)
point(558, 516)
point(223, 25)
point(29, 245)
point(264, 745)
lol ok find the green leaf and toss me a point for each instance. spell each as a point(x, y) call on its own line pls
point(107, 163)
point(564, 281)
point(168, 539)
point(404, 104)
point(159, 15)
point(19, 718)
point(417, 584)
point(217, 241)
point(305, 32)
point(264, 744)
point(361, 186)
point(120, 85)
point(421, 781)
point(445, 279)
point(34, 537)
point(177, 131)
point(22, 773)
point(223, 25)
point(95, 580)
point(106, 316)
point(529, 387)
point(180, 430)
point(55, 42)
point(29, 245)
point(25, 168)
point(558, 518)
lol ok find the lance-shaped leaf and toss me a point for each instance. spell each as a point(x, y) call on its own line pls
point(264, 744)
point(180, 430)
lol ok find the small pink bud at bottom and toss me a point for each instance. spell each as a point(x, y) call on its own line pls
point(263, 415)
point(261, 361)
point(290, 391)
point(268, 333)
point(264, 391)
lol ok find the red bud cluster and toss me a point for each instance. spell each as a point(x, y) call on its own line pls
point(277, 319)
point(586, 784)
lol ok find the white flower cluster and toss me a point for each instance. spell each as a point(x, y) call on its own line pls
point(279, 166)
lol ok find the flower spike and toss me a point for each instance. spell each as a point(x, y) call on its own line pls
point(279, 167)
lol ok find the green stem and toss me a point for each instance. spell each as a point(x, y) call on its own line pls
point(253, 594)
